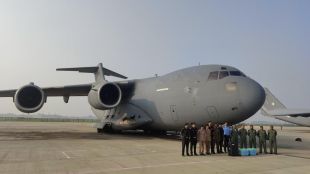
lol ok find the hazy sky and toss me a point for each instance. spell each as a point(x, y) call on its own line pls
point(268, 40)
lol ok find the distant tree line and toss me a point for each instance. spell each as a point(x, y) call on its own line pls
point(29, 119)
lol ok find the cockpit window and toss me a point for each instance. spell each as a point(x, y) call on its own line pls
point(213, 75)
point(236, 73)
point(223, 74)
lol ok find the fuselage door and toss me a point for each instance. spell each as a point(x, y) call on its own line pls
point(174, 113)
point(213, 114)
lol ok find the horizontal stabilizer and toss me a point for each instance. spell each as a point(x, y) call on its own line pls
point(290, 112)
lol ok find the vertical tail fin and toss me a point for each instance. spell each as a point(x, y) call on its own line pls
point(99, 71)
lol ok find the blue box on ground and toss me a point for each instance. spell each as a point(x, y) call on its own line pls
point(253, 152)
point(244, 152)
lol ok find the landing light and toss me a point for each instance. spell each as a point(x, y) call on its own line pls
point(162, 89)
point(231, 86)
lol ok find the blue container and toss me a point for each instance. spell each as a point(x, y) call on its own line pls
point(253, 152)
point(244, 152)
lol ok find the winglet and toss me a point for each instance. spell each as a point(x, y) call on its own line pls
point(99, 71)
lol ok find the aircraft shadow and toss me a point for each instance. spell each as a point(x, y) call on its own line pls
point(37, 135)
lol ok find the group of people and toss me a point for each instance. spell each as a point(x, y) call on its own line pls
point(221, 138)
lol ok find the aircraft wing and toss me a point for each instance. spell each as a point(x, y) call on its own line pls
point(72, 90)
point(274, 107)
point(7, 93)
point(290, 112)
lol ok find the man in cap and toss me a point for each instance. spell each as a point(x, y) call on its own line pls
point(262, 135)
point(272, 134)
point(243, 137)
point(252, 137)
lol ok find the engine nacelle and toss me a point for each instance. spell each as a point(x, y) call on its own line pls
point(105, 96)
point(29, 98)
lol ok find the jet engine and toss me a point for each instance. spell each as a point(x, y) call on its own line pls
point(29, 98)
point(105, 96)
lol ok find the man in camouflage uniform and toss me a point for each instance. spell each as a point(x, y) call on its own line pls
point(272, 135)
point(262, 135)
point(252, 137)
point(243, 137)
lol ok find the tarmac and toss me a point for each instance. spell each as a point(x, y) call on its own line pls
point(76, 148)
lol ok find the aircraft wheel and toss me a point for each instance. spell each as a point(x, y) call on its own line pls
point(99, 131)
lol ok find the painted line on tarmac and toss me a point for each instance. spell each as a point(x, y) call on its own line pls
point(175, 164)
point(295, 156)
point(66, 155)
point(156, 166)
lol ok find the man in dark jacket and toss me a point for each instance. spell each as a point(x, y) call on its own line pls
point(212, 130)
point(193, 139)
point(233, 151)
point(185, 133)
point(219, 139)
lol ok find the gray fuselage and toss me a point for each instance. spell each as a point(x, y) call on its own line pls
point(187, 95)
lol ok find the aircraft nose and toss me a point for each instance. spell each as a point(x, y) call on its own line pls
point(252, 97)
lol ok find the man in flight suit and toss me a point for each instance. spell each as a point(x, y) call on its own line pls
point(272, 134)
point(262, 139)
point(208, 139)
point(185, 133)
point(243, 137)
point(193, 139)
point(252, 137)
point(202, 138)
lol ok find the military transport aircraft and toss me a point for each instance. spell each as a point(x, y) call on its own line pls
point(200, 94)
point(274, 108)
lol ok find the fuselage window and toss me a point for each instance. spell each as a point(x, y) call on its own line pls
point(236, 73)
point(213, 75)
point(223, 74)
